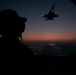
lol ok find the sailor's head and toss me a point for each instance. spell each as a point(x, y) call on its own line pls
point(11, 23)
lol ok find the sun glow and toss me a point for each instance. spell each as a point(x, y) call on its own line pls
point(49, 38)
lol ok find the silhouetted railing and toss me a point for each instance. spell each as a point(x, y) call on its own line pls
point(54, 50)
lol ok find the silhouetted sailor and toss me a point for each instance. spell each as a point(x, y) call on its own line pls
point(11, 28)
point(14, 55)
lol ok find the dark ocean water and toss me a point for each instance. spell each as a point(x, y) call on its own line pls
point(53, 48)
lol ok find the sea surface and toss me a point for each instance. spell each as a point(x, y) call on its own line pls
point(53, 48)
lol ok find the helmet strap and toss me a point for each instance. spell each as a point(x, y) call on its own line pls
point(21, 39)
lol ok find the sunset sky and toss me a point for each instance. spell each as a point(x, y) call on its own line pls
point(37, 29)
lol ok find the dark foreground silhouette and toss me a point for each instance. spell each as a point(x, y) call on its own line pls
point(11, 28)
point(16, 58)
point(74, 2)
point(12, 50)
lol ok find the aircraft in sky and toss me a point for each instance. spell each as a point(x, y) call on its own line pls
point(51, 14)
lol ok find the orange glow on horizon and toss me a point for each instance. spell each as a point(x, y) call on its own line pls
point(49, 38)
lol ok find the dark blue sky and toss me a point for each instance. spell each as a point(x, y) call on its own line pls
point(62, 28)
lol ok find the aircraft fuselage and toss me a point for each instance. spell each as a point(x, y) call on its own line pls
point(50, 16)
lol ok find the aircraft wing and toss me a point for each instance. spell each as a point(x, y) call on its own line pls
point(52, 9)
